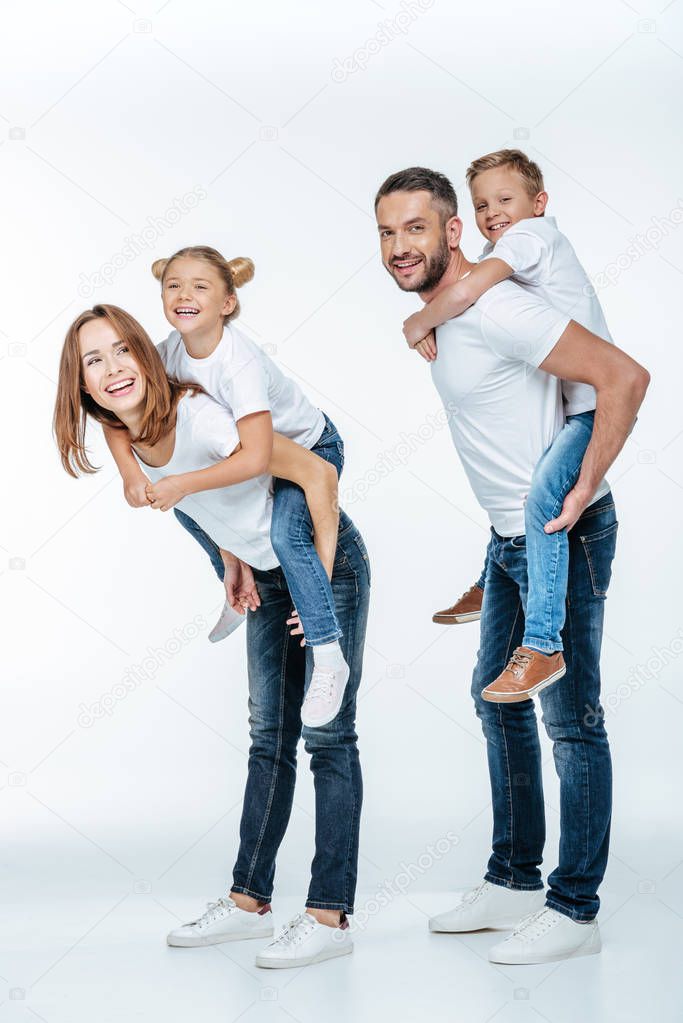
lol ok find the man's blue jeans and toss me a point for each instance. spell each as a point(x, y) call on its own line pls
point(548, 553)
point(291, 534)
point(572, 715)
point(279, 673)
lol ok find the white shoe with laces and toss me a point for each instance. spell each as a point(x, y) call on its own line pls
point(325, 695)
point(303, 942)
point(226, 624)
point(488, 907)
point(223, 921)
point(546, 937)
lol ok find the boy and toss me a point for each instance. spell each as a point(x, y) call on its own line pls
point(523, 244)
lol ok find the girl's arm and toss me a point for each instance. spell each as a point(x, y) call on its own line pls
point(455, 299)
point(134, 479)
point(318, 480)
point(250, 459)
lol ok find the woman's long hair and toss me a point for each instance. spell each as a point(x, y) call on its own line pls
point(74, 404)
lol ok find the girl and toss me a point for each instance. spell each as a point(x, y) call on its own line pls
point(200, 302)
point(111, 371)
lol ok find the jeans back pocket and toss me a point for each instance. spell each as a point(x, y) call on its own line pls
point(599, 549)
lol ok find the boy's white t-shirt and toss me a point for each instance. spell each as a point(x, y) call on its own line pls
point(238, 517)
point(544, 261)
point(239, 375)
point(503, 411)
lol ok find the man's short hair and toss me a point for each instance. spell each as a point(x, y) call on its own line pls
point(421, 179)
point(529, 171)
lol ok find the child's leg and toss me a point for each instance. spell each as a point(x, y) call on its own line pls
point(204, 540)
point(548, 554)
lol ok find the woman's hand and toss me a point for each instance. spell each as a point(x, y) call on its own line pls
point(240, 587)
point(298, 629)
point(135, 490)
point(165, 493)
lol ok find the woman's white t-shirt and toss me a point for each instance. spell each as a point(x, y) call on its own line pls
point(240, 376)
point(238, 517)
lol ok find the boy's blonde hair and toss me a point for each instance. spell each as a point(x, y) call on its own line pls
point(529, 171)
point(234, 272)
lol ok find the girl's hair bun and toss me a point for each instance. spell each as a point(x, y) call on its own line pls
point(242, 270)
point(158, 267)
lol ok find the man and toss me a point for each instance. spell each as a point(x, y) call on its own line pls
point(499, 367)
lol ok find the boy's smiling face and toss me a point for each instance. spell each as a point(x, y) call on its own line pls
point(501, 198)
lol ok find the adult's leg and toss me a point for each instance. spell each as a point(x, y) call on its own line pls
point(204, 541)
point(548, 553)
point(510, 730)
point(276, 664)
point(574, 720)
point(333, 747)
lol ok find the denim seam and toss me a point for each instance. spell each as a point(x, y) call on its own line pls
point(502, 882)
point(329, 608)
point(565, 912)
point(316, 904)
point(276, 764)
point(248, 891)
point(354, 811)
point(505, 741)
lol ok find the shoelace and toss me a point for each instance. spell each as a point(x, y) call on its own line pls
point(321, 684)
point(535, 924)
point(518, 662)
point(296, 930)
point(473, 894)
point(214, 911)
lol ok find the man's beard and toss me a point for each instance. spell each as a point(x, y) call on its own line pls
point(435, 268)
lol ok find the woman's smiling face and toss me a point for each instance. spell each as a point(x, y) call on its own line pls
point(195, 295)
point(111, 374)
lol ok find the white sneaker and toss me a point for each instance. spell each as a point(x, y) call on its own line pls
point(325, 696)
point(488, 907)
point(546, 937)
point(304, 941)
point(227, 623)
point(223, 921)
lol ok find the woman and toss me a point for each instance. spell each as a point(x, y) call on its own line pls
point(111, 371)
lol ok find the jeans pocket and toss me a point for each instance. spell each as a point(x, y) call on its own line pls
point(518, 542)
point(360, 543)
point(599, 549)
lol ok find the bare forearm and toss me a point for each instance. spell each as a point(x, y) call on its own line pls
point(240, 466)
point(615, 412)
point(458, 297)
point(118, 442)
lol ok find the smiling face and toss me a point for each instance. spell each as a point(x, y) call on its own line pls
point(501, 199)
point(195, 295)
point(111, 374)
point(415, 241)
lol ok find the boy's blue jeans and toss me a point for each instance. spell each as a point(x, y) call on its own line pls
point(291, 534)
point(573, 719)
point(547, 555)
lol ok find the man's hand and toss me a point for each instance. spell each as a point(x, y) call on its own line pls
point(575, 503)
point(135, 490)
point(240, 587)
point(166, 493)
point(427, 347)
point(414, 330)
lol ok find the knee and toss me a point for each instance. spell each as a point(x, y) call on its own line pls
point(333, 736)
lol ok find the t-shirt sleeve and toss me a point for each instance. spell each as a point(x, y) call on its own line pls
point(517, 325)
point(523, 250)
point(214, 429)
point(245, 388)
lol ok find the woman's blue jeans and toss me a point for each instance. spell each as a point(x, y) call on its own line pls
point(279, 673)
point(291, 534)
point(572, 715)
point(548, 553)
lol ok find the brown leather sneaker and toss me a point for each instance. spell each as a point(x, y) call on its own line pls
point(527, 673)
point(467, 609)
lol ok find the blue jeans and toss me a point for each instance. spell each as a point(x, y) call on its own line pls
point(572, 715)
point(279, 672)
point(548, 553)
point(291, 534)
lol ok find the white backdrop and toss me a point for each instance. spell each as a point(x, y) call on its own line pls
point(264, 130)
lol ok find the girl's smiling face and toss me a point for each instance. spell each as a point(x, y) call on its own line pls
point(194, 295)
point(111, 374)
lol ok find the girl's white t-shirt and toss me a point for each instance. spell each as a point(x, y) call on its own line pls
point(238, 517)
point(240, 376)
point(545, 263)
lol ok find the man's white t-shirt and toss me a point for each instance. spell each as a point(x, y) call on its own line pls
point(504, 412)
point(239, 375)
point(544, 261)
point(238, 517)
